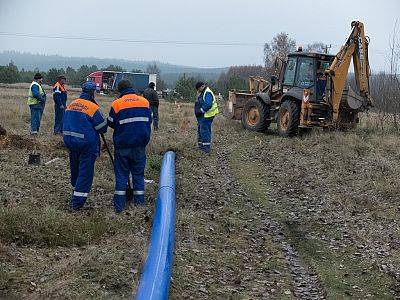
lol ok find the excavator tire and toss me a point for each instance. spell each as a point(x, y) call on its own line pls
point(289, 118)
point(255, 115)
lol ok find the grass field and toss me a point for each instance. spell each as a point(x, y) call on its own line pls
point(261, 217)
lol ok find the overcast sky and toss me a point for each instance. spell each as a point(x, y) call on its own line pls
point(225, 21)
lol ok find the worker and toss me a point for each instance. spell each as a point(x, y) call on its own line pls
point(206, 108)
point(36, 102)
point(83, 122)
point(306, 74)
point(321, 82)
point(60, 102)
point(151, 95)
point(130, 117)
point(110, 82)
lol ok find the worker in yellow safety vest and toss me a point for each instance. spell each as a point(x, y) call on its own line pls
point(206, 108)
point(36, 102)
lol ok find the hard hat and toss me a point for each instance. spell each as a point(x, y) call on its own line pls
point(88, 87)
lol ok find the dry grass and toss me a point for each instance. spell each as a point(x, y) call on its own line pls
point(337, 194)
point(35, 222)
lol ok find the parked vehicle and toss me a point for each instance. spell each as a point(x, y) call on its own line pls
point(107, 81)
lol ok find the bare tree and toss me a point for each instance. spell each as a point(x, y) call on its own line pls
point(152, 69)
point(280, 46)
point(385, 87)
point(394, 52)
point(315, 47)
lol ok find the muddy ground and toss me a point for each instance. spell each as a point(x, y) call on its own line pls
point(262, 217)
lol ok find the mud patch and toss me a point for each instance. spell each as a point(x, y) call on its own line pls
point(21, 142)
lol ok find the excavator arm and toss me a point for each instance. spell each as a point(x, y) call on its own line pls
point(356, 47)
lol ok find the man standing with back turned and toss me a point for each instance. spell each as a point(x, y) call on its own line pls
point(83, 122)
point(151, 95)
point(205, 109)
point(130, 116)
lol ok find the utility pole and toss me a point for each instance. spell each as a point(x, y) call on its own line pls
point(326, 47)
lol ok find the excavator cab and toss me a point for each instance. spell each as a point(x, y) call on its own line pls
point(305, 71)
point(302, 84)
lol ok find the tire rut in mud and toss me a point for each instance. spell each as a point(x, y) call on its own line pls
point(306, 283)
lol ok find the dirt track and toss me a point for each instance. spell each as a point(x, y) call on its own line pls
point(239, 230)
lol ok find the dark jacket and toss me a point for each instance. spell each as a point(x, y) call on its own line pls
point(151, 96)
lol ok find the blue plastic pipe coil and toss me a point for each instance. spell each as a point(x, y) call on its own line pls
point(156, 273)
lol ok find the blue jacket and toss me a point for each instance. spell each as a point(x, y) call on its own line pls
point(203, 103)
point(59, 94)
point(130, 116)
point(82, 123)
point(36, 93)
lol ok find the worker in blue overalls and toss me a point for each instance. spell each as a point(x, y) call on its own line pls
point(60, 103)
point(130, 117)
point(36, 102)
point(83, 122)
point(206, 108)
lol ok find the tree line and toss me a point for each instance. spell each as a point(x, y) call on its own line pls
point(11, 74)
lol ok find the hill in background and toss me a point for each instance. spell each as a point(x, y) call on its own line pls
point(170, 73)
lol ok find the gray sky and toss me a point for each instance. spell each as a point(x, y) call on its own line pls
point(228, 21)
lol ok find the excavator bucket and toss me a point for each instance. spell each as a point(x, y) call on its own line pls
point(353, 100)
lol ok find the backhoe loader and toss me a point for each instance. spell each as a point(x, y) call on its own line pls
point(310, 90)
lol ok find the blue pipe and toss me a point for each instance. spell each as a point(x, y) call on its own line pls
point(156, 273)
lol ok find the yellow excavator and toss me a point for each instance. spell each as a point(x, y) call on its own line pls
point(310, 89)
